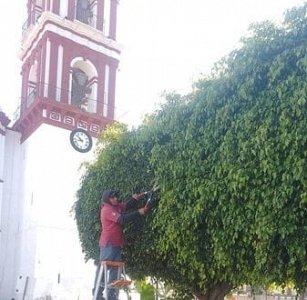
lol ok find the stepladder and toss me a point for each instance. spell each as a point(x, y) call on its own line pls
point(110, 279)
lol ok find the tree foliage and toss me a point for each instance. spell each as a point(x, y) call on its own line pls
point(231, 161)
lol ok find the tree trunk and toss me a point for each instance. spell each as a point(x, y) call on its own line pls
point(215, 292)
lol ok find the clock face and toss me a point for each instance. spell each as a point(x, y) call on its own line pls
point(81, 140)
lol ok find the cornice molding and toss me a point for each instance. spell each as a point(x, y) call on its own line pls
point(74, 30)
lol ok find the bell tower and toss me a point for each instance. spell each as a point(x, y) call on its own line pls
point(69, 62)
point(70, 57)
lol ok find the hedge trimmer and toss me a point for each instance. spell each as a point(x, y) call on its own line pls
point(150, 194)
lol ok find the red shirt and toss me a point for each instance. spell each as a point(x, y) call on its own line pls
point(112, 231)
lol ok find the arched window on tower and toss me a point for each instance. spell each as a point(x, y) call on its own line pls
point(80, 89)
point(84, 86)
point(36, 10)
point(84, 12)
point(32, 85)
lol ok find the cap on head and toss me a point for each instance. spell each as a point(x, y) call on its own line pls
point(106, 195)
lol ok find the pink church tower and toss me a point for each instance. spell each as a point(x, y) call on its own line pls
point(69, 57)
point(69, 63)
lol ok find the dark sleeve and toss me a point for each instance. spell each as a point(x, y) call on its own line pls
point(128, 217)
point(131, 203)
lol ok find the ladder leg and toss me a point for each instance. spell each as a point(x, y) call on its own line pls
point(111, 292)
point(114, 279)
point(98, 282)
point(119, 272)
point(106, 282)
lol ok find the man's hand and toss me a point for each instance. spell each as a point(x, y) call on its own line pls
point(142, 211)
point(137, 196)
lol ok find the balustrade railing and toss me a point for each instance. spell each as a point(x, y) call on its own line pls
point(86, 16)
point(52, 94)
point(31, 20)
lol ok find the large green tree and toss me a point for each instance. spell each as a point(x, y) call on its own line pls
point(231, 161)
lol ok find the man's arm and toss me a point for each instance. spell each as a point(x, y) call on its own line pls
point(132, 202)
point(128, 217)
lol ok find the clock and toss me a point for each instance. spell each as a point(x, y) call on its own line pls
point(81, 140)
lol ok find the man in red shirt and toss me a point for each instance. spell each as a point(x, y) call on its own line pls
point(113, 216)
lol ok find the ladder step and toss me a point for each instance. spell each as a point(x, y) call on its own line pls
point(120, 283)
point(111, 263)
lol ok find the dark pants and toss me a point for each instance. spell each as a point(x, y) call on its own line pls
point(114, 254)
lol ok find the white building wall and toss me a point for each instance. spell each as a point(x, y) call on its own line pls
point(50, 259)
point(11, 206)
point(2, 143)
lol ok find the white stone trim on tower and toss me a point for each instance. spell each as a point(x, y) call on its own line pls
point(51, 5)
point(106, 17)
point(74, 31)
point(63, 8)
point(106, 91)
point(59, 73)
point(47, 68)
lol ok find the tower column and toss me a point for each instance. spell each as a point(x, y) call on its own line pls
point(65, 74)
point(24, 86)
point(101, 88)
point(111, 88)
point(41, 83)
point(53, 64)
point(100, 14)
point(113, 19)
point(56, 6)
point(71, 9)
point(39, 69)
